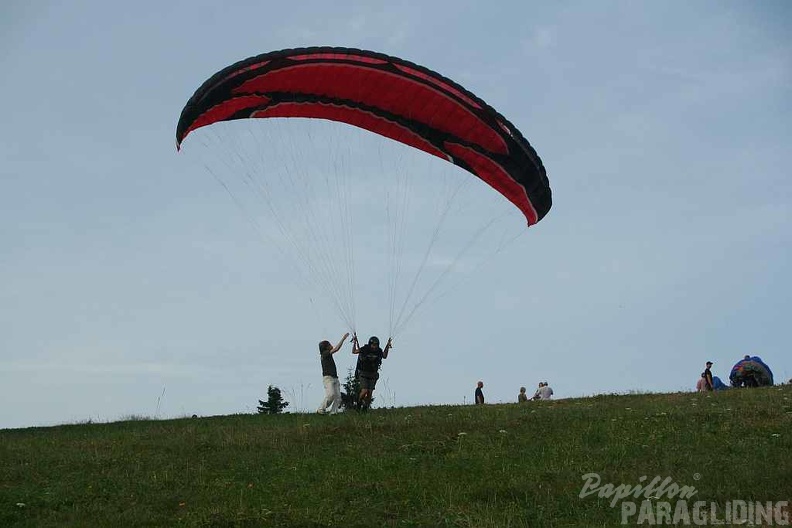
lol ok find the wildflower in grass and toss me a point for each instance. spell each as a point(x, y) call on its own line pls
point(460, 438)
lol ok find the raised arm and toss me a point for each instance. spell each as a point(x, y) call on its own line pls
point(388, 346)
point(355, 346)
point(340, 344)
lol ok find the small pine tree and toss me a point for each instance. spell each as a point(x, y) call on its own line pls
point(274, 404)
point(351, 392)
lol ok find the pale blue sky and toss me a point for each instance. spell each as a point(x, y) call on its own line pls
point(130, 284)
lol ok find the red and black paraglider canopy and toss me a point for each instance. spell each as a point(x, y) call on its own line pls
point(385, 95)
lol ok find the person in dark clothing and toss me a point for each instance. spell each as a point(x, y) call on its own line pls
point(478, 396)
point(330, 376)
point(707, 375)
point(370, 358)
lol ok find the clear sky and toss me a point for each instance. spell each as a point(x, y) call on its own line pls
point(131, 284)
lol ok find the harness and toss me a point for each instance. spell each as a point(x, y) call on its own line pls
point(369, 360)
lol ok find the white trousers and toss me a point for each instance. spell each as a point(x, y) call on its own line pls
point(332, 397)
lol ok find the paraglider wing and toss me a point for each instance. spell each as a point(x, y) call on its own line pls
point(718, 384)
point(385, 95)
point(751, 372)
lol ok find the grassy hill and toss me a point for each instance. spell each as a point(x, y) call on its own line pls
point(488, 466)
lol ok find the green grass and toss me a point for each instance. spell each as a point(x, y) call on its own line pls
point(491, 466)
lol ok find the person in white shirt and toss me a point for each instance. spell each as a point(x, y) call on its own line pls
point(544, 392)
point(330, 376)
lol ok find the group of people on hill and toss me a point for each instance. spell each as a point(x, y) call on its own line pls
point(543, 392)
point(369, 360)
point(750, 371)
point(706, 382)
